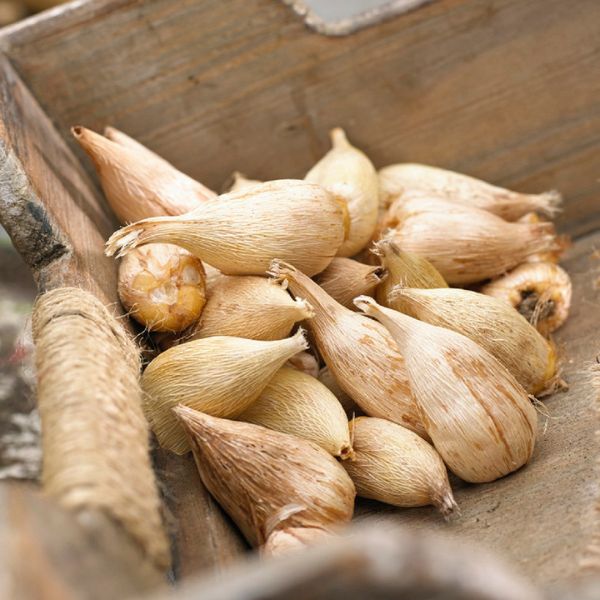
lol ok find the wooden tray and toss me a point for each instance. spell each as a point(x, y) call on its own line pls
point(504, 90)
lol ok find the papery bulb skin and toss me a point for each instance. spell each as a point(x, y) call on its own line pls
point(138, 183)
point(490, 322)
point(241, 232)
point(296, 403)
point(466, 245)
point(359, 352)
point(250, 307)
point(219, 375)
point(345, 279)
point(480, 420)
point(394, 465)
point(350, 176)
point(405, 269)
point(396, 180)
point(267, 480)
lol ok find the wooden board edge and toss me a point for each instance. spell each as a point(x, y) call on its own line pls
point(349, 25)
point(32, 230)
point(63, 16)
point(49, 206)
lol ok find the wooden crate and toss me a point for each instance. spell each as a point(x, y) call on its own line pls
point(507, 90)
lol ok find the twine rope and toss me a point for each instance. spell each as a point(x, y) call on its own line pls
point(94, 434)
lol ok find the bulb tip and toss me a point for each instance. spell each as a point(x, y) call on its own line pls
point(338, 137)
point(77, 131)
point(122, 241)
point(180, 410)
point(397, 291)
point(189, 417)
point(386, 246)
point(551, 203)
point(376, 249)
point(379, 273)
point(300, 339)
point(110, 132)
point(446, 504)
point(278, 269)
point(364, 302)
point(305, 308)
point(347, 453)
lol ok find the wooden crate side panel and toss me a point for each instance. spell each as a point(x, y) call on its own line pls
point(481, 87)
point(506, 90)
point(48, 205)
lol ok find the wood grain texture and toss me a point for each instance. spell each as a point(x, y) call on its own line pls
point(49, 554)
point(204, 539)
point(544, 518)
point(48, 204)
point(507, 90)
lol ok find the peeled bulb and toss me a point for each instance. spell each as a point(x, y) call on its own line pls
point(138, 183)
point(540, 291)
point(465, 244)
point(360, 353)
point(300, 405)
point(396, 466)
point(162, 287)
point(267, 480)
point(293, 539)
point(479, 418)
point(403, 268)
point(305, 362)
point(348, 174)
point(344, 279)
point(490, 322)
point(329, 381)
point(396, 180)
point(220, 375)
point(240, 182)
point(241, 232)
point(250, 307)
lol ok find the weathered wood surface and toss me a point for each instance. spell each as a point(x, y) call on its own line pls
point(58, 221)
point(506, 90)
point(50, 208)
point(384, 562)
point(204, 537)
point(49, 554)
point(544, 518)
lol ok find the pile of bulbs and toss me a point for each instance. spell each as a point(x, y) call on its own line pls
point(403, 377)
